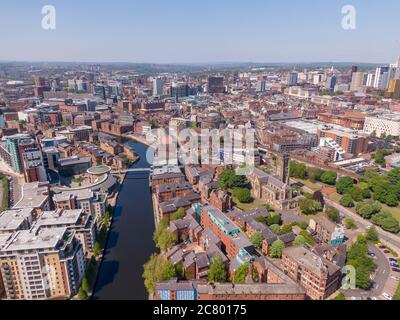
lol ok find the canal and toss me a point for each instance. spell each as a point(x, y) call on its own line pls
point(130, 242)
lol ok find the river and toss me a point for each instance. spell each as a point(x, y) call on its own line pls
point(130, 242)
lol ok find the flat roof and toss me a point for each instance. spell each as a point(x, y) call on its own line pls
point(32, 240)
point(33, 196)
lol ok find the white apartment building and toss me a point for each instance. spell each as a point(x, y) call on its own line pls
point(387, 124)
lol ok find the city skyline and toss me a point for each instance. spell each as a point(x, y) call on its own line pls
point(223, 32)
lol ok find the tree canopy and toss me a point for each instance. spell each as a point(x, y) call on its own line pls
point(277, 249)
point(217, 271)
point(228, 179)
point(157, 269)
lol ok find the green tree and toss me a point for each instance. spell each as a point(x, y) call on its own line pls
point(344, 184)
point(242, 194)
point(314, 174)
point(347, 201)
point(256, 239)
point(297, 170)
point(349, 223)
point(166, 240)
point(333, 214)
point(157, 269)
point(241, 274)
point(355, 193)
point(85, 284)
point(179, 214)
point(372, 235)
point(277, 249)
point(299, 241)
point(309, 206)
point(96, 249)
point(217, 272)
point(329, 177)
point(386, 221)
point(275, 228)
point(82, 294)
point(228, 179)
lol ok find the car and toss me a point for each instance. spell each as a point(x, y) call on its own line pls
point(386, 251)
point(394, 264)
point(396, 270)
point(386, 296)
point(353, 298)
point(382, 247)
point(371, 254)
point(393, 259)
point(395, 278)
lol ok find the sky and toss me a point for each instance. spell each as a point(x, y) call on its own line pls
point(200, 31)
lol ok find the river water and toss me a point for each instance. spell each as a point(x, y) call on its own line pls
point(130, 242)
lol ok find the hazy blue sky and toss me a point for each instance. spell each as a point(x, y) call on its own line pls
point(164, 31)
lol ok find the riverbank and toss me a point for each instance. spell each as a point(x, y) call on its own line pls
point(111, 207)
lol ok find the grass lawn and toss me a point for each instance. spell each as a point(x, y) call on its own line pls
point(335, 197)
point(248, 206)
point(312, 185)
point(395, 211)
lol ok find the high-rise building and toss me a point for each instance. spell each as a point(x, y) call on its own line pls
point(216, 85)
point(357, 81)
point(41, 263)
point(261, 86)
point(381, 77)
point(158, 85)
point(394, 89)
point(292, 79)
point(331, 82)
point(370, 80)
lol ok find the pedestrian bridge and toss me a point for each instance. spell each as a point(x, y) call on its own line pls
point(144, 170)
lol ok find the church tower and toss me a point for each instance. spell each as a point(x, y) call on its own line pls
point(282, 167)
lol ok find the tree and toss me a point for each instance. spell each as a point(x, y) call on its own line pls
point(166, 240)
point(85, 284)
point(333, 214)
point(277, 249)
point(349, 223)
point(82, 294)
point(343, 184)
point(385, 220)
point(297, 170)
point(275, 228)
point(228, 179)
point(314, 174)
point(367, 210)
point(391, 200)
point(358, 258)
point(241, 274)
point(355, 193)
point(274, 219)
point(347, 201)
point(285, 229)
point(309, 206)
point(157, 269)
point(179, 214)
point(242, 194)
point(372, 235)
point(96, 249)
point(217, 271)
point(256, 239)
point(329, 177)
point(299, 241)
point(340, 296)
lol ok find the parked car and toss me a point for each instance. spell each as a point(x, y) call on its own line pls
point(395, 278)
point(371, 254)
point(396, 270)
point(386, 251)
point(393, 259)
point(394, 264)
point(386, 296)
point(382, 247)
